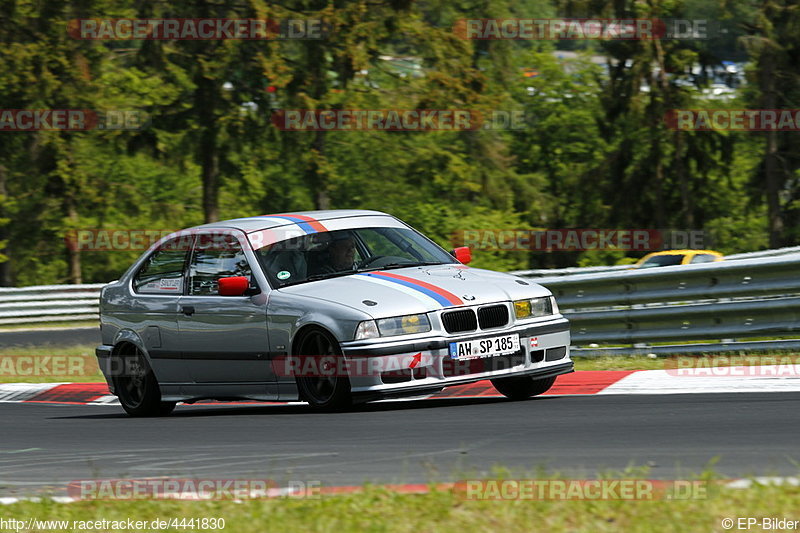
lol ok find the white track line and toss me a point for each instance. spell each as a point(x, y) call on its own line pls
point(771, 378)
point(19, 392)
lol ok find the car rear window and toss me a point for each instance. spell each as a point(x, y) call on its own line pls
point(163, 271)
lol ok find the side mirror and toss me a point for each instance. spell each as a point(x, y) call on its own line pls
point(462, 253)
point(233, 286)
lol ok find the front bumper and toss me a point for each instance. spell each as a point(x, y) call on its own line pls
point(420, 389)
point(544, 352)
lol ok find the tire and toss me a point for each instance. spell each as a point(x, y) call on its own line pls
point(137, 388)
point(522, 387)
point(323, 393)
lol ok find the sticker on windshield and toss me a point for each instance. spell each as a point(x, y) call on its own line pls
point(283, 274)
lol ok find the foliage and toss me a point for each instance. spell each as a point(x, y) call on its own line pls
point(595, 151)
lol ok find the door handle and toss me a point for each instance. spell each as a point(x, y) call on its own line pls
point(187, 310)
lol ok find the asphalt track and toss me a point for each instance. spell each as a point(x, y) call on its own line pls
point(46, 446)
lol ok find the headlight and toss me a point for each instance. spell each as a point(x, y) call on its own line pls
point(522, 308)
point(404, 325)
point(534, 307)
point(367, 330)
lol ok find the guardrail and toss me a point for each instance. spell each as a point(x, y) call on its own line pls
point(570, 271)
point(632, 311)
point(49, 303)
point(549, 272)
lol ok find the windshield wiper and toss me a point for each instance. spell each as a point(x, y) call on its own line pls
point(390, 266)
point(325, 275)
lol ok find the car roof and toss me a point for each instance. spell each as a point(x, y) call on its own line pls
point(261, 222)
point(683, 252)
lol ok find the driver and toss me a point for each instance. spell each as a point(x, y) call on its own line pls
point(341, 254)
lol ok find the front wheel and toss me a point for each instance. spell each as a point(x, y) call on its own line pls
point(522, 387)
point(137, 388)
point(323, 392)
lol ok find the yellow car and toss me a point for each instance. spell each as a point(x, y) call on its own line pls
point(678, 257)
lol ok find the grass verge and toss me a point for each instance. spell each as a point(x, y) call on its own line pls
point(19, 364)
point(378, 509)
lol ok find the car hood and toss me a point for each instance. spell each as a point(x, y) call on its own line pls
point(402, 291)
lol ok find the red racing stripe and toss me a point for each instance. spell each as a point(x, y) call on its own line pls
point(313, 222)
point(449, 296)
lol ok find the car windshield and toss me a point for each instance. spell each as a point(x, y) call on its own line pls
point(662, 260)
point(338, 253)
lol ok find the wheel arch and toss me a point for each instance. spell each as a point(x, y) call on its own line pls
point(305, 330)
point(128, 337)
point(127, 340)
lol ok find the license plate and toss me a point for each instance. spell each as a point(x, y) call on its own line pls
point(479, 348)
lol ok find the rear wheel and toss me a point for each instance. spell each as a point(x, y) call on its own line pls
point(522, 387)
point(137, 387)
point(323, 392)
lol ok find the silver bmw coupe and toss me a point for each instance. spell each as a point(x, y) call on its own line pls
point(328, 307)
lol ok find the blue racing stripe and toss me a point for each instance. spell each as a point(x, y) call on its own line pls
point(305, 226)
point(444, 302)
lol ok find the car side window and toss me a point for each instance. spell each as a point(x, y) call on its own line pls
point(215, 256)
point(663, 260)
point(703, 258)
point(163, 271)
